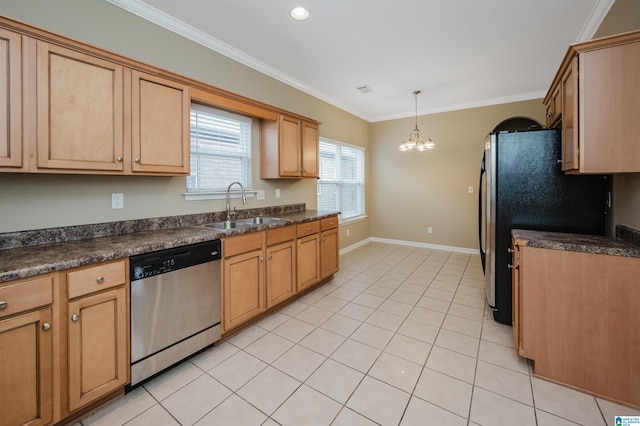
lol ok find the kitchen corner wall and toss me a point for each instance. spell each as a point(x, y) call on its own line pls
point(416, 190)
point(41, 201)
point(624, 16)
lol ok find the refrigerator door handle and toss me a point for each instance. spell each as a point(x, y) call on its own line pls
point(483, 254)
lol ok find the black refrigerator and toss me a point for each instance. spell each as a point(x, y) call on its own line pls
point(522, 186)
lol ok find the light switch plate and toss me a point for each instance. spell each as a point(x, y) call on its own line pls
point(260, 194)
point(277, 192)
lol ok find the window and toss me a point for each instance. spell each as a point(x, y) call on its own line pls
point(220, 149)
point(341, 183)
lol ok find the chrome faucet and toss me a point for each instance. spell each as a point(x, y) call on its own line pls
point(244, 198)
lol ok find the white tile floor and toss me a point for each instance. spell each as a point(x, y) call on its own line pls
point(400, 336)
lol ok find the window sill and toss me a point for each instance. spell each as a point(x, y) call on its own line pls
point(216, 195)
point(353, 219)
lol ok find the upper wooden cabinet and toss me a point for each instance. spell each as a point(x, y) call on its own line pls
point(97, 116)
point(597, 85)
point(289, 148)
point(10, 99)
point(160, 125)
point(79, 111)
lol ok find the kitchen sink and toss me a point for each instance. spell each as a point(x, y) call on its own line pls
point(258, 220)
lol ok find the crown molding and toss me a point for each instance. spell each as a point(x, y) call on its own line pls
point(596, 17)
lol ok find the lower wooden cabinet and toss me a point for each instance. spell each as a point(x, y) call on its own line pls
point(26, 364)
point(575, 316)
point(281, 264)
point(63, 342)
point(263, 269)
point(329, 247)
point(97, 342)
point(308, 260)
point(96, 338)
point(243, 284)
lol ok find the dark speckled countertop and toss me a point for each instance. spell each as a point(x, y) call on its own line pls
point(623, 245)
point(23, 261)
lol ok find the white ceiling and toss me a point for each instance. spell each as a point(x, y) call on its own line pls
point(460, 53)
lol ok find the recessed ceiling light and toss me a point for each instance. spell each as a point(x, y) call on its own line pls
point(299, 13)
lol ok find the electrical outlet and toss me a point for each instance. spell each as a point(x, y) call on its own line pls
point(277, 192)
point(260, 194)
point(117, 200)
point(348, 232)
point(430, 230)
point(470, 189)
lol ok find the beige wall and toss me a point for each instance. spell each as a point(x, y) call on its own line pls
point(38, 201)
point(415, 190)
point(624, 16)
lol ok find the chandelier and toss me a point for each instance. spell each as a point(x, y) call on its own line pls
point(416, 140)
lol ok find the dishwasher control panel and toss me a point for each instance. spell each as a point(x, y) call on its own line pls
point(164, 261)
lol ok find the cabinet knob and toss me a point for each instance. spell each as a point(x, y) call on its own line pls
point(100, 280)
point(75, 317)
point(309, 229)
point(560, 161)
point(3, 304)
point(509, 250)
point(137, 161)
point(300, 170)
point(510, 266)
point(323, 239)
point(46, 326)
point(262, 259)
point(119, 159)
point(270, 256)
point(550, 114)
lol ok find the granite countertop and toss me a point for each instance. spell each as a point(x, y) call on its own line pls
point(26, 261)
point(595, 244)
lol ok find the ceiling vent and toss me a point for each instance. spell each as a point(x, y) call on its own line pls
point(365, 89)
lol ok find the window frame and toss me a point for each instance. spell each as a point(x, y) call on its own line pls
point(340, 182)
point(219, 193)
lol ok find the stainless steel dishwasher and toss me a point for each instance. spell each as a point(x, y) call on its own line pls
point(175, 306)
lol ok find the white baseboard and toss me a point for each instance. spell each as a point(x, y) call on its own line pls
point(407, 243)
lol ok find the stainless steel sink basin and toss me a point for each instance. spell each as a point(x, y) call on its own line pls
point(258, 220)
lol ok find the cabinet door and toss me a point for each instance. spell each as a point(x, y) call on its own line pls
point(308, 249)
point(26, 369)
point(160, 125)
point(79, 111)
point(570, 133)
point(243, 288)
point(554, 108)
point(10, 99)
point(289, 147)
point(281, 273)
point(329, 252)
point(97, 339)
point(310, 141)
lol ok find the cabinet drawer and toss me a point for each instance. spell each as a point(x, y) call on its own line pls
point(242, 244)
point(279, 235)
point(308, 228)
point(26, 295)
point(329, 223)
point(95, 278)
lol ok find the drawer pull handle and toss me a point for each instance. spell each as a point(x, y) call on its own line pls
point(100, 280)
point(46, 326)
point(310, 228)
point(3, 304)
point(75, 317)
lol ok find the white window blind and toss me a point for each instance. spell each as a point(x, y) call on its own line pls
point(341, 183)
point(220, 149)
